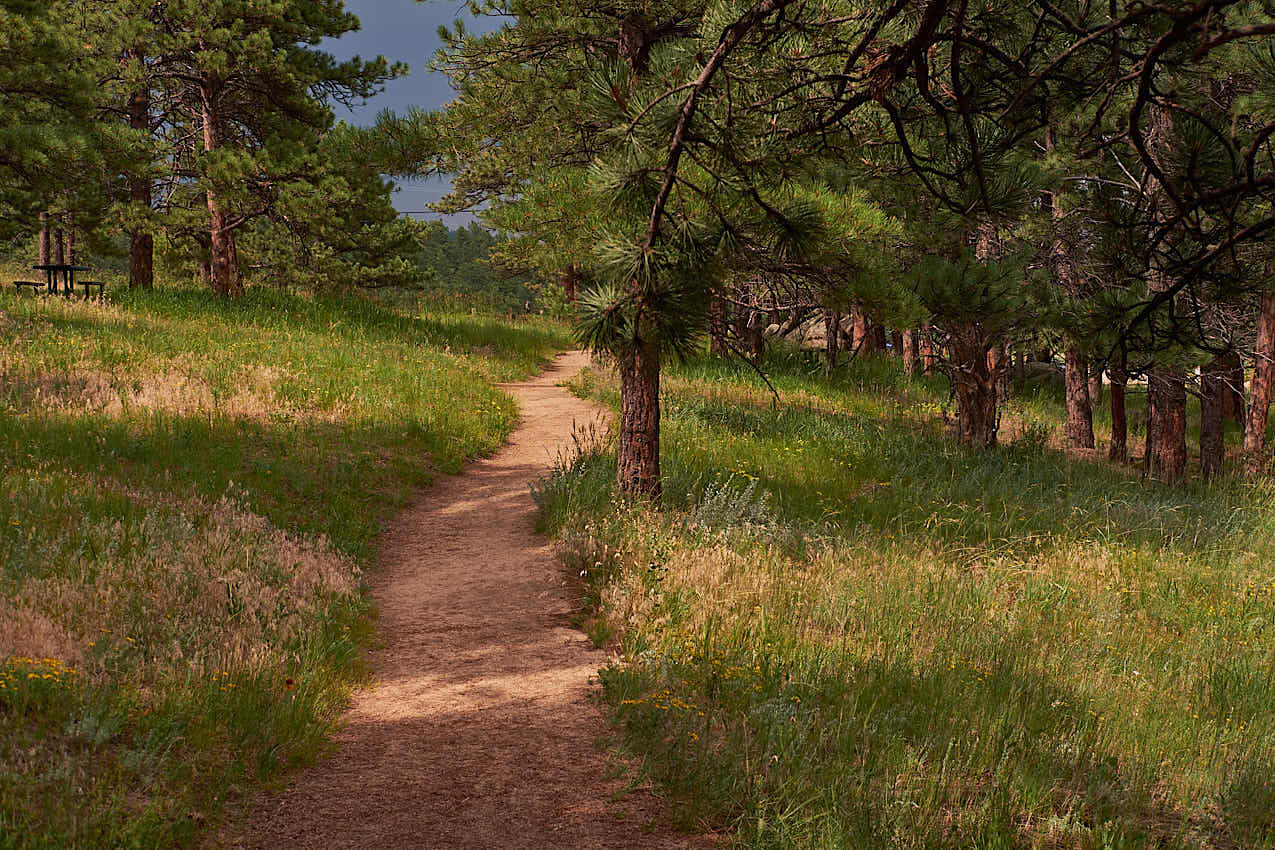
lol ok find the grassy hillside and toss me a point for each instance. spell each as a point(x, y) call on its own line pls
point(844, 630)
point(193, 490)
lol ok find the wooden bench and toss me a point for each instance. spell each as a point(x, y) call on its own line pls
point(36, 286)
point(89, 284)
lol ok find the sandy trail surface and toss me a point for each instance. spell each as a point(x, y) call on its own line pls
point(480, 727)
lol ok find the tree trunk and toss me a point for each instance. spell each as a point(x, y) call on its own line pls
point(224, 269)
point(1212, 418)
point(877, 335)
point(718, 325)
point(859, 333)
point(571, 283)
point(1095, 387)
point(141, 245)
point(929, 352)
point(832, 341)
point(59, 243)
point(999, 364)
point(974, 385)
point(1233, 387)
point(43, 251)
point(1166, 424)
point(1259, 401)
point(638, 472)
point(1079, 407)
point(1166, 385)
point(1119, 450)
point(896, 343)
point(909, 350)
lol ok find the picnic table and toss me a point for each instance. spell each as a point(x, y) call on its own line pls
point(52, 270)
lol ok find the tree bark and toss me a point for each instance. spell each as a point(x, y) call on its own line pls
point(1232, 386)
point(638, 468)
point(1079, 406)
point(59, 243)
point(974, 384)
point(1095, 387)
point(859, 332)
point(1212, 418)
point(718, 326)
point(1259, 401)
point(1166, 385)
point(909, 349)
point(1166, 424)
point(224, 268)
point(571, 283)
point(999, 364)
point(43, 251)
point(1119, 450)
point(877, 334)
point(896, 343)
point(141, 245)
point(832, 341)
point(929, 354)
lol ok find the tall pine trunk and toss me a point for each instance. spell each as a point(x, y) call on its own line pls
point(1232, 386)
point(224, 263)
point(638, 472)
point(974, 372)
point(974, 383)
point(877, 334)
point(1119, 450)
point(1079, 407)
point(929, 351)
point(718, 325)
point(1166, 384)
point(571, 284)
point(1213, 418)
point(59, 243)
point(1166, 424)
point(999, 364)
point(1095, 386)
point(141, 245)
point(832, 341)
point(42, 250)
point(911, 355)
point(861, 340)
point(1259, 401)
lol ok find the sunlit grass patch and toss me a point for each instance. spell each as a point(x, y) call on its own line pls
point(843, 630)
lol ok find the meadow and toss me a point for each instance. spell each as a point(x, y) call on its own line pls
point(841, 629)
point(194, 489)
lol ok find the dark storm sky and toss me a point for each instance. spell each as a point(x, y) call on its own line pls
point(404, 31)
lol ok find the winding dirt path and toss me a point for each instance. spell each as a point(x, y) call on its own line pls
point(480, 727)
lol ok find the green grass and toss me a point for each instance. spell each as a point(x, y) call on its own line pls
point(843, 630)
point(194, 491)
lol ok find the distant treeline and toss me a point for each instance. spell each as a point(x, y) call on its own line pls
point(460, 262)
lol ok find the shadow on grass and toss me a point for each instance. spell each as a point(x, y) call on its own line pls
point(886, 753)
point(901, 477)
point(318, 477)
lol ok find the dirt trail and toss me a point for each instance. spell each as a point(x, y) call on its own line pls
point(479, 730)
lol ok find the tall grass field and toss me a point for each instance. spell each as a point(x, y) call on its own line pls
point(193, 489)
point(842, 630)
